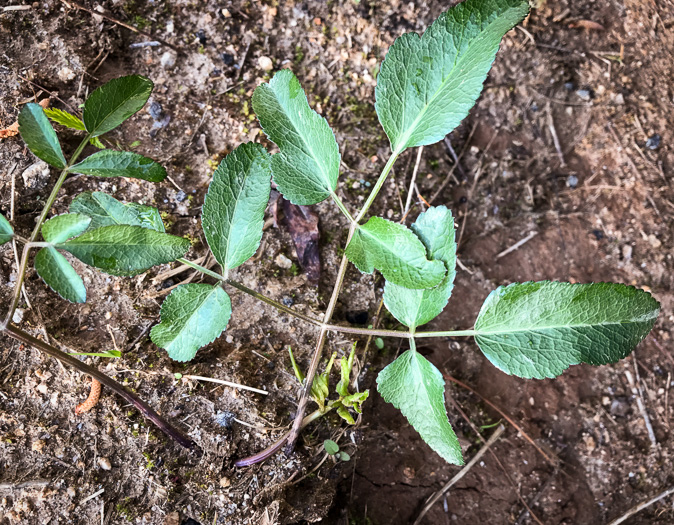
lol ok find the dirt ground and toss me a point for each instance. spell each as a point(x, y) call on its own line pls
point(569, 146)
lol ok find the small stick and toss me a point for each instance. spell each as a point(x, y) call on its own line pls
point(97, 493)
point(449, 176)
point(555, 138)
point(636, 392)
point(641, 506)
point(227, 383)
point(519, 243)
point(34, 484)
point(435, 497)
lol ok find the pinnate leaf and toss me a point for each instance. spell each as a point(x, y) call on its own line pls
point(396, 252)
point(233, 212)
point(6, 230)
point(111, 163)
point(539, 329)
point(64, 118)
point(39, 135)
point(59, 275)
point(428, 84)
point(125, 250)
point(105, 210)
point(415, 387)
point(307, 168)
point(413, 308)
point(112, 103)
point(192, 316)
point(63, 227)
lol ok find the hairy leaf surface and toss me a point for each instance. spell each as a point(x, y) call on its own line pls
point(39, 135)
point(413, 308)
point(125, 250)
point(63, 227)
point(192, 316)
point(105, 210)
point(307, 168)
point(539, 329)
point(396, 252)
point(59, 275)
point(6, 230)
point(112, 103)
point(415, 387)
point(111, 163)
point(64, 118)
point(233, 212)
point(428, 84)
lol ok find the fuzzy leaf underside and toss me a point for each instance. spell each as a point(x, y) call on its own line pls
point(539, 329)
point(6, 230)
point(233, 211)
point(59, 275)
point(192, 316)
point(105, 210)
point(111, 163)
point(112, 103)
point(415, 387)
point(64, 118)
point(125, 250)
point(307, 168)
point(427, 84)
point(39, 135)
point(413, 308)
point(63, 227)
point(396, 252)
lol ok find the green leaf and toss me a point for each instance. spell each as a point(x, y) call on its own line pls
point(415, 387)
point(109, 353)
point(114, 102)
point(6, 230)
point(63, 227)
point(330, 447)
point(396, 252)
point(111, 163)
point(307, 168)
point(413, 308)
point(59, 275)
point(96, 142)
point(64, 118)
point(105, 210)
point(428, 84)
point(125, 250)
point(233, 211)
point(344, 456)
point(192, 316)
point(345, 366)
point(39, 135)
point(539, 329)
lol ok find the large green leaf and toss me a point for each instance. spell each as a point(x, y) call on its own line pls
point(114, 102)
point(396, 252)
point(61, 277)
point(539, 329)
point(233, 211)
point(39, 135)
point(111, 163)
point(307, 168)
point(428, 84)
point(64, 118)
point(105, 210)
point(413, 308)
point(415, 387)
point(63, 227)
point(6, 230)
point(125, 250)
point(192, 316)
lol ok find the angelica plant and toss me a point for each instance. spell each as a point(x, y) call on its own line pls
point(427, 84)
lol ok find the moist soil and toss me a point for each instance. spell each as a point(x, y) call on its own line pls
point(569, 147)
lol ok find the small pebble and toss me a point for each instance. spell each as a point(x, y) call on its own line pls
point(283, 262)
point(168, 60)
point(224, 419)
point(569, 86)
point(18, 316)
point(265, 63)
point(38, 446)
point(71, 492)
point(229, 339)
point(584, 94)
point(66, 74)
point(572, 181)
point(653, 141)
point(201, 35)
point(181, 196)
point(36, 176)
point(104, 463)
point(225, 482)
point(287, 300)
point(227, 59)
point(627, 252)
point(155, 110)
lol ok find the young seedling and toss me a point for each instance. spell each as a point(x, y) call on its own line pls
point(427, 84)
point(332, 449)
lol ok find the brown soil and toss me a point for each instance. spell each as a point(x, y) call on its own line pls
point(604, 213)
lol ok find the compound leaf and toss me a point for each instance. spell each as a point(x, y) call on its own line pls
point(415, 387)
point(413, 308)
point(192, 316)
point(59, 275)
point(539, 329)
point(6, 230)
point(39, 135)
point(112, 103)
point(111, 163)
point(64, 118)
point(428, 84)
point(233, 212)
point(105, 210)
point(125, 250)
point(307, 168)
point(63, 227)
point(396, 252)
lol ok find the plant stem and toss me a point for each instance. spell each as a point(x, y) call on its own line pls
point(342, 208)
point(142, 406)
point(201, 269)
point(397, 333)
point(377, 186)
